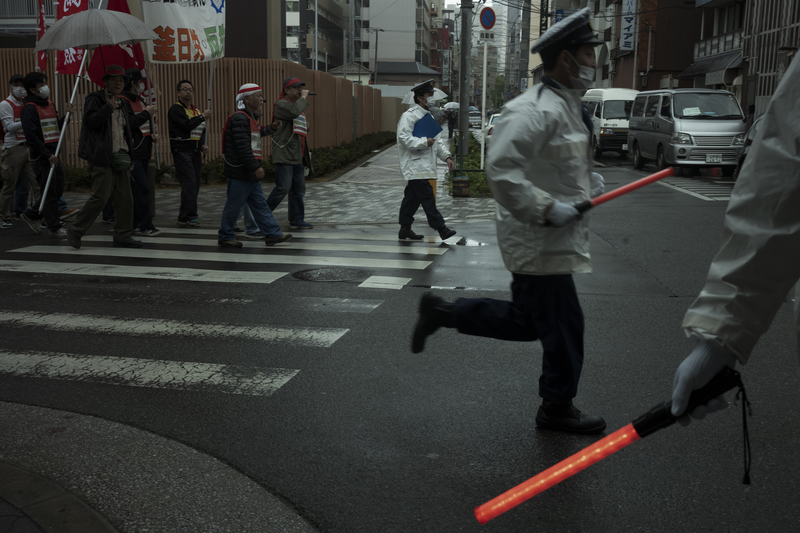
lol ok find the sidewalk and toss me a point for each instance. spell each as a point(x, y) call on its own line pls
point(67, 472)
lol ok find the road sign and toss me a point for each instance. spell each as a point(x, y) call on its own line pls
point(487, 36)
point(488, 18)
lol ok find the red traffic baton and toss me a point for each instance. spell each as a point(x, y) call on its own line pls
point(625, 189)
point(656, 418)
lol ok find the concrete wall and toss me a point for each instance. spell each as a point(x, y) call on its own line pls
point(391, 109)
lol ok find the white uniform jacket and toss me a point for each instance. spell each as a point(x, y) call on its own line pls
point(759, 260)
point(541, 152)
point(417, 159)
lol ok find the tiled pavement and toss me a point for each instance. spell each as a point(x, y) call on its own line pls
point(370, 193)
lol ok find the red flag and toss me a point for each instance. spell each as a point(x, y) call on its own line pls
point(69, 60)
point(41, 57)
point(125, 55)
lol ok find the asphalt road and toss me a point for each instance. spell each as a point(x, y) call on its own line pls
point(367, 437)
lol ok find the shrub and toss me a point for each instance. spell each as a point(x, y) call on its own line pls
point(326, 160)
point(478, 184)
point(213, 169)
point(76, 178)
point(164, 173)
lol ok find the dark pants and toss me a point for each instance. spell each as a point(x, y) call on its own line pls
point(450, 126)
point(289, 178)
point(187, 168)
point(108, 210)
point(420, 192)
point(142, 215)
point(107, 184)
point(50, 212)
point(544, 308)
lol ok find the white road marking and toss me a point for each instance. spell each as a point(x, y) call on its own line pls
point(337, 305)
point(309, 234)
point(230, 256)
point(292, 245)
point(131, 372)
point(384, 282)
point(124, 271)
point(681, 189)
point(318, 337)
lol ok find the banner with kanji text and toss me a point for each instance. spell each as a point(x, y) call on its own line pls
point(69, 60)
point(187, 33)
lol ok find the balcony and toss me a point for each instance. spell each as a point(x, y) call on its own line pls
point(24, 9)
point(719, 44)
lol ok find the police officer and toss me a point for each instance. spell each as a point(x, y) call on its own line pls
point(418, 163)
point(539, 166)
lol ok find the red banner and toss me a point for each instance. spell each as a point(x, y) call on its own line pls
point(69, 60)
point(42, 56)
point(125, 55)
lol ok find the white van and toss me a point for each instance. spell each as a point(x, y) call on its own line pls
point(610, 110)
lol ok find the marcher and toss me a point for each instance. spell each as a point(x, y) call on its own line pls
point(106, 143)
point(418, 163)
point(42, 127)
point(15, 148)
point(759, 260)
point(289, 148)
point(243, 170)
point(142, 150)
point(540, 164)
point(187, 138)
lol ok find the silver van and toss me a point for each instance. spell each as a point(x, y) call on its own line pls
point(687, 128)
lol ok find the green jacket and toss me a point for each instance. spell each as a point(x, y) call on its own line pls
point(287, 147)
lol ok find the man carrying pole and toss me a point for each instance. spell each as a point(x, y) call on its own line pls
point(540, 164)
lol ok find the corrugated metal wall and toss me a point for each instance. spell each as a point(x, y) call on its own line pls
point(330, 114)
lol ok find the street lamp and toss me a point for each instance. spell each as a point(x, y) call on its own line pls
point(375, 31)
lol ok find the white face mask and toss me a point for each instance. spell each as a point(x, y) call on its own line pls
point(44, 92)
point(140, 88)
point(18, 92)
point(431, 101)
point(585, 77)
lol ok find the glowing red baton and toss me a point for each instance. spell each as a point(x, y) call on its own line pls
point(625, 189)
point(658, 417)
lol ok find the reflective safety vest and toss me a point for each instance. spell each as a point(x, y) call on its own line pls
point(48, 121)
point(17, 109)
point(300, 125)
point(138, 106)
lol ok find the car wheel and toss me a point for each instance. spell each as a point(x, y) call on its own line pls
point(728, 171)
point(661, 164)
point(598, 152)
point(638, 162)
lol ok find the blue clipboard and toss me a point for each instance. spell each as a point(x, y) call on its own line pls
point(426, 127)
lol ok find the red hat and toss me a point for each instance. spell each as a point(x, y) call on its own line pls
point(115, 70)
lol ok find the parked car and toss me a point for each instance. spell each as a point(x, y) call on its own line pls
point(610, 110)
point(748, 142)
point(687, 129)
point(475, 119)
point(490, 127)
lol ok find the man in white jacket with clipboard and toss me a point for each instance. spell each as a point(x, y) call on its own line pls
point(419, 144)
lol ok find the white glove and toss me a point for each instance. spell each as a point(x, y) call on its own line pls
point(598, 185)
point(705, 362)
point(561, 214)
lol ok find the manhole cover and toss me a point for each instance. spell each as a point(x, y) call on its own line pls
point(331, 274)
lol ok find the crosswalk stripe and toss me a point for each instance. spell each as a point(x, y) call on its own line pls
point(231, 256)
point(337, 305)
point(685, 191)
point(316, 337)
point(313, 234)
point(124, 271)
point(291, 245)
point(384, 282)
point(132, 372)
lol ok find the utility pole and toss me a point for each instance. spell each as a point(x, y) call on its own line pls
point(375, 31)
point(464, 75)
point(316, 33)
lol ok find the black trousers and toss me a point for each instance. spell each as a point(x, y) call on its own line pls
point(187, 169)
point(544, 308)
point(420, 192)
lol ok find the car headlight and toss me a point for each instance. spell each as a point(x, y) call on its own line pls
point(681, 138)
point(606, 131)
point(738, 140)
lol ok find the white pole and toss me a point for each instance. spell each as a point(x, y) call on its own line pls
point(210, 84)
point(483, 104)
point(316, 33)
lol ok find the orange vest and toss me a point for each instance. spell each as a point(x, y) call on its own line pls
point(138, 106)
point(48, 122)
point(17, 109)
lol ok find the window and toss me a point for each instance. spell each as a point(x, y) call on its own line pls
point(365, 24)
point(665, 107)
point(638, 106)
point(617, 109)
point(292, 6)
point(652, 106)
point(599, 109)
point(706, 106)
point(590, 107)
point(365, 45)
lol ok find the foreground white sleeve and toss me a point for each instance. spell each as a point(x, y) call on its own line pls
point(759, 260)
point(405, 137)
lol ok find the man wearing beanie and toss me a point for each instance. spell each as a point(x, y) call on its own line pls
point(107, 144)
point(243, 154)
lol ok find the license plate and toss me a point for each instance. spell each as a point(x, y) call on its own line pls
point(624, 146)
point(713, 158)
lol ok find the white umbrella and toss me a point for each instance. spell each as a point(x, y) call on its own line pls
point(90, 29)
point(451, 105)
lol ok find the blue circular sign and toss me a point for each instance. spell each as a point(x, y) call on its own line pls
point(488, 18)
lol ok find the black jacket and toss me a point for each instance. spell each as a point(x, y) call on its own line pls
point(142, 145)
point(95, 144)
point(32, 127)
point(180, 129)
point(240, 163)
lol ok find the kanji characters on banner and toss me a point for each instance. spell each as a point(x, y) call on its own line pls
point(69, 60)
point(188, 34)
point(41, 58)
point(125, 55)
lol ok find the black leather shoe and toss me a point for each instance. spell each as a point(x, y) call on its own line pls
point(128, 243)
point(434, 313)
point(73, 239)
point(272, 241)
point(445, 233)
point(407, 233)
point(563, 416)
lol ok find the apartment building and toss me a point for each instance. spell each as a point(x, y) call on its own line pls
point(316, 37)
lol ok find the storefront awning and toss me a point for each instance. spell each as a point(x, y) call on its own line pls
point(725, 61)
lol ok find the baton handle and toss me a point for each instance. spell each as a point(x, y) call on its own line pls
point(660, 416)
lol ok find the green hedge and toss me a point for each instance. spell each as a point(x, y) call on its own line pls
point(478, 184)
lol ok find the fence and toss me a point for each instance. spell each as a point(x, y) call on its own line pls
point(330, 113)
